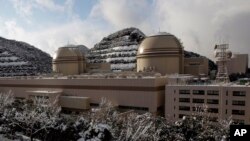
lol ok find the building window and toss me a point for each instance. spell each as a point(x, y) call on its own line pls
point(194, 64)
point(238, 102)
point(212, 92)
point(238, 121)
point(238, 112)
point(213, 119)
point(135, 108)
point(198, 109)
point(226, 102)
point(227, 93)
point(184, 91)
point(184, 108)
point(181, 115)
point(239, 93)
point(226, 111)
point(198, 100)
point(198, 92)
point(213, 110)
point(212, 101)
point(39, 97)
point(185, 100)
point(195, 108)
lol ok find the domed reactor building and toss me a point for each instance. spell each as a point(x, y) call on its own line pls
point(69, 60)
point(161, 53)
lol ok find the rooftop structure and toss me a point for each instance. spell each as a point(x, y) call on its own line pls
point(196, 66)
point(238, 63)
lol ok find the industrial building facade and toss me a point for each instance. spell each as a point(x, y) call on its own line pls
point(132, 93)
point(222, 101)
point(147, 94)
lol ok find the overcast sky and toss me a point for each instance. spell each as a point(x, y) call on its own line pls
point(200, 24)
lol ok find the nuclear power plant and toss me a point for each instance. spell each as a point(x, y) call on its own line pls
point(164, 81)
point(162, 53)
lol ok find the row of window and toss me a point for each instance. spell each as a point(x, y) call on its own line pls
point(211, 92)
point(236, 121)
point(197, 100)
point(239, 93)
point(211, 101)
point(238, 103)
point(211, 110)
point(187, 108)
point(199, 92)
point(214, 119)
point(238, 112)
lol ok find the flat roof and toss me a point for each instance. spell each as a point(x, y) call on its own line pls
point(44, 91)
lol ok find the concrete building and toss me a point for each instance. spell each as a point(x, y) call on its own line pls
point(178, 94)
point(238, 64)
point(196, 66)
point(161, 53)
point(222, 101)
point(128, 93)
point(98, 67)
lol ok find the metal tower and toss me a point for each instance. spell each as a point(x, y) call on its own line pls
point(222, 55)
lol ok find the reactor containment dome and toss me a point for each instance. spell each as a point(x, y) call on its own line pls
point(161, 53)
point(69, 60)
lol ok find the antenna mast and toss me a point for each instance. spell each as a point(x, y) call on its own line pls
point(222, 55)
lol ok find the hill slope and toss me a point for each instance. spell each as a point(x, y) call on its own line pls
point(20, 59)
point(120, 48)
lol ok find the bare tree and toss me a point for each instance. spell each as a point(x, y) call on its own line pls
point(37, 116)
point(6, 99)
point(104, 113)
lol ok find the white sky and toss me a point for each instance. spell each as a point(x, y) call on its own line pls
point(200, 24)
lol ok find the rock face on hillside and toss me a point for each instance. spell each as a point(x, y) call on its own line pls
point(22, 59)
point(119, 49)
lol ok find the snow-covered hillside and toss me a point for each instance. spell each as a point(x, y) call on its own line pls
point(119, 49)
point(20, 59)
